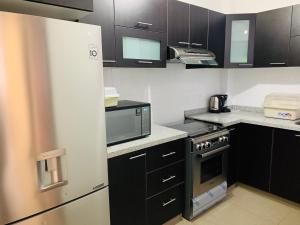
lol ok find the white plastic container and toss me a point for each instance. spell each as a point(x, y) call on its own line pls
point(111, 96)
point(282, 106)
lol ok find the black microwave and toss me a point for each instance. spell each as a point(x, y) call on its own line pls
point(127, 121)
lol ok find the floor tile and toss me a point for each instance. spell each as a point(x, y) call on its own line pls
point(293, 218)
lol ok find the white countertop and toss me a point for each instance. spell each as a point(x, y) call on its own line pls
point(159, 135)
point(238, 116)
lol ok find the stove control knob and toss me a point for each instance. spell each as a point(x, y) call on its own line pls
point(221, 139)
point(207, 144)
point(200, 146)
point(226, 139)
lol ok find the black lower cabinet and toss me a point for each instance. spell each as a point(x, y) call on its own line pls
point(254, 155)
point(165, 206)
point(127, 189)
point(285, 180)
point(232, 156)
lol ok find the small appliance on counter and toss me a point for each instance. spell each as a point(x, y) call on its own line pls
point(127, 121)
point(111, 96)
point(206, 152)
point(217, 104)
point(282, 106)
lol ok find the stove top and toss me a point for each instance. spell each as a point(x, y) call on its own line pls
point(196, 128)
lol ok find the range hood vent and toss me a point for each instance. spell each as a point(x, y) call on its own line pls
point(192, 56)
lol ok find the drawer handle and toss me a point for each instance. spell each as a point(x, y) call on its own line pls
point(279, 63)
point(197, 44)
point(183, 43)
point(168, 179)
point(144, 24)
point(144, 62)
point(167, 155)
point(137, 156)
point(109, 61)
point(297, 135)
point(169, 202)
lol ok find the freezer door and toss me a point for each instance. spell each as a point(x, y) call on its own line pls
point(90, 210)
point(52, 117)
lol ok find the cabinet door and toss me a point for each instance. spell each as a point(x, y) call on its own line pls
point(296, 21)
point(294, 53)
point(216, 36)
point(272, 37)
point(86, 5)
point(178, 23)
point(143, 14)
point(140, 48)
point(254, 156)
point(198, 27)
point(127, 189)
point(285, 180)
point(103, 15)
point(232, 155)
point(239, 47)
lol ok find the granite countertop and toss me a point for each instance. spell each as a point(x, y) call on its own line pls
point(159, 135)
point(240, 116)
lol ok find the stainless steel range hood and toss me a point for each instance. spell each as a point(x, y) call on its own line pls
point(191, 56)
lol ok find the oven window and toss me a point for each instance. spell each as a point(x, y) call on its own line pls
point(211, 168)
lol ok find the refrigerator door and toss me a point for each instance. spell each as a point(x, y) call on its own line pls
point(91, 210)
point(52, 117)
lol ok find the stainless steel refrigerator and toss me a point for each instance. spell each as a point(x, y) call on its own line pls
point(53, 159)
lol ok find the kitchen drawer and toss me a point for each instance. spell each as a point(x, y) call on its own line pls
point(163, 179)
point(164, 154)
point(165, 206)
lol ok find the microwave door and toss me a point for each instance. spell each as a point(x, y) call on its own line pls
point(123, 125)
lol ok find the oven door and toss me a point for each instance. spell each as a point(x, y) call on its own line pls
point(209, 169)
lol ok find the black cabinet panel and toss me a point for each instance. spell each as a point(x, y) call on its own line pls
point(296, 21)
point(86, 5)
point(235, 42)
point(143, 14)
point(294, 59)
point(165, 154)
point(232, 155)
point(198, 27)
point(216, 39)
point(285, 180)
point(254, 156)
point(272, 37)
point(165, 206)
point(127, 189)
point(160, 38)
point(178, 23)
point(165, 178)
point(103, 15)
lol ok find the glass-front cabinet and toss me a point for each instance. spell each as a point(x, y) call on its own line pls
point(240, 34)
point(140, 48)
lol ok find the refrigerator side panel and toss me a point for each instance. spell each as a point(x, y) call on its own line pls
point(92, 210)
point(52, 122)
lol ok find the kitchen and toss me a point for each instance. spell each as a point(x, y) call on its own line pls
point(262, 184)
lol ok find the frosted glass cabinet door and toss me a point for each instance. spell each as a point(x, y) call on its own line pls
point(240, 32)
point(140, 48)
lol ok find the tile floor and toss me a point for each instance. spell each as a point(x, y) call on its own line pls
point(246, 206)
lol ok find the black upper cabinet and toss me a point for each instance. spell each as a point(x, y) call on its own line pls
point(216, 36)
point(273, 37)
point(239, 44)
point(254, 156)
point(198, 27)
point(127, 185)
point(285, 180)
point(143, 14)
point(86, 5)
point(103, 15)
point(178, 23)
point(296, 21)
point(294, 53)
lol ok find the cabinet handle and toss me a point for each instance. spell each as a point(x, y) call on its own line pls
point(109, 61)
point(169, 154)
point(183, 43)
point(144, 24)
point(169, 202)
point(245, 64)
point(137, 156)
point(197, 44)
point(297, 135)
point(279, 63)
point(168, 179)
point(232, 129)
point(145, 62)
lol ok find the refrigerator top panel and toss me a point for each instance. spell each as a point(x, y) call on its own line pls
point(52, 115)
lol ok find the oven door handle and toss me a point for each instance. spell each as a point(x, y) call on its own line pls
point(205, 155)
